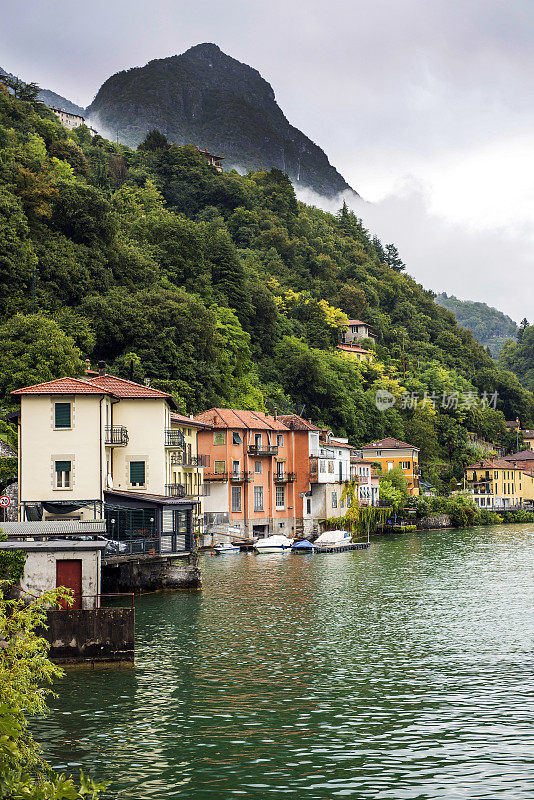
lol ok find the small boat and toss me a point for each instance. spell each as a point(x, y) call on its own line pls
point(333, 539)
point(303, 546)
point(273, 544)
point(222, 549)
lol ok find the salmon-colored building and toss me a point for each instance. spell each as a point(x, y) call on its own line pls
point(251, 473)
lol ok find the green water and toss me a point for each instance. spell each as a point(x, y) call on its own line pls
point(404, 671)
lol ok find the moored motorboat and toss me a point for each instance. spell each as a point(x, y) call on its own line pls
point(273, 544)
point(334, 538)
point(223, 549)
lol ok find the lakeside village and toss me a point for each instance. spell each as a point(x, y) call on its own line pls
point(117, 492)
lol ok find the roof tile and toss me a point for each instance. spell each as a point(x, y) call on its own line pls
point(389, 443)
point(62, 386)
point(248, 420)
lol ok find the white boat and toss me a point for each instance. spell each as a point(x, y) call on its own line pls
point(273, 544)
point(222, 549)
point(333, 539)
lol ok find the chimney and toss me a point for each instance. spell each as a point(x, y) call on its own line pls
point(101, 367)
point(275, 414)
point(87, 365)
point(147, 382)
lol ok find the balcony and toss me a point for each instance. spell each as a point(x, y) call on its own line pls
point(175, 490)
point(240, 477)
point(116, 435)
point(215, 476)
point(184, 459)
point(262, 450)
point(284, 477)
point(174, 438)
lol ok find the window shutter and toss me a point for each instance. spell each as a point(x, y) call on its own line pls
point(137, 471)
point(63, 466)
point(62, 415)
point(219, 437)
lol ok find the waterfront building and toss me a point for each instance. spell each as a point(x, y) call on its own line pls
point(251, 472)
point(322, 466)
point(499, 484)
point(187, 465)
point(103, 446)
point(389, 453)
point(361, 471)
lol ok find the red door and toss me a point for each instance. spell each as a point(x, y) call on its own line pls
point(69, 574)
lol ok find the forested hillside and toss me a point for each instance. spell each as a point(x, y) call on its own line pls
point(489, 326)
point(223, 290)
point(518, 356)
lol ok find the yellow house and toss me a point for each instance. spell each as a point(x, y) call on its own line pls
point(102, 446)
point(187, 466)
point(498, 484)
point(356, 352)
point(528, 439)
point(390, 453)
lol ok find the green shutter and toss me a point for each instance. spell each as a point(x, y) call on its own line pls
point(63, 466)
point(62, 415)
point(137, 472)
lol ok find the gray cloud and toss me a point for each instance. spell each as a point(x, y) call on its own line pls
point(421, 91)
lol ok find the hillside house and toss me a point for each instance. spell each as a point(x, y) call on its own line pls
point(213, 161)
point(389, 453)
point(356, 330)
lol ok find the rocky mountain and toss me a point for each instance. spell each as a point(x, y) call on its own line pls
point(53, 99)
point(205, 97)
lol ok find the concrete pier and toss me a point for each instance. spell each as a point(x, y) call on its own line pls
point(150, 573)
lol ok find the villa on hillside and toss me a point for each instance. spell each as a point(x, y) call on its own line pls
point(500, 484)
point(213, 161)
point(389, 453)
point(356, 352)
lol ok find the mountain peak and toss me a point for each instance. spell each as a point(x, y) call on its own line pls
point(207, 98)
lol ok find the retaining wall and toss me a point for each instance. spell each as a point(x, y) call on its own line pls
point(101, 635)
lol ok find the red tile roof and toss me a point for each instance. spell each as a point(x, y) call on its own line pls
point(354, 348)
point(388, 444)
point(249, 420)
point(337, 443)
point(120, 387)
point(62, 386)
point(499, 463)
point(524, 455)
point(296, 423)
point(357, 322)
point(182, 419)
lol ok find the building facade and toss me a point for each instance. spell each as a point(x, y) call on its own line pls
point(499, 484)
point(390, 453)
point(101, 446)
point(355, 352)
point(356, 330)
point(362, 472)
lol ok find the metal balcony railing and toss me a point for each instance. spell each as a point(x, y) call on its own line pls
point(215, 476)
point(175, 490)
point(174, 438)
point(240, 477)
point(116, 435)
point(284, 477)
point(184, 459)
point(263, 450)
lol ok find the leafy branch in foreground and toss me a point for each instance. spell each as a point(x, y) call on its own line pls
point(25, 677)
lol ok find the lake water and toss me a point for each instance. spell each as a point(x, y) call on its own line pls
point(404, 671)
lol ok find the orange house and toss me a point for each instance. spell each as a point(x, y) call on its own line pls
point(252, 472)
point(391, 453)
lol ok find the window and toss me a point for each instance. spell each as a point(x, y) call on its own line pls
point(379, 452)
point(330, 466)
point(257, 440)
point(236, 438)
point(62, 415)
point(236, 498)
point(63, 469)
point(322, 466)
point(219, 437)
point(279, 439)
point(334, 499)
point(219, 467)
point(349, 501)
point(235, 467)
point(137, 473)
point(280, 496)
point(279, 469)
point(258, 498)
point(405, 464)
point(308, 505)
point(257, 467)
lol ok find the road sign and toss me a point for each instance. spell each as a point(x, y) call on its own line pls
point(5, 501)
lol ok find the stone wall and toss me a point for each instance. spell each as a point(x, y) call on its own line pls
point(434, 521)
point(150, 574)
point(102, 635)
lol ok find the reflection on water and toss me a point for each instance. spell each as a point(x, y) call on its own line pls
point(404, 671)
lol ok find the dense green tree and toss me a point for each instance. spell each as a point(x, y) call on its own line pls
point(154, 140)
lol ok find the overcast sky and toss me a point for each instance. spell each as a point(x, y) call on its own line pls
point(424, 106)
